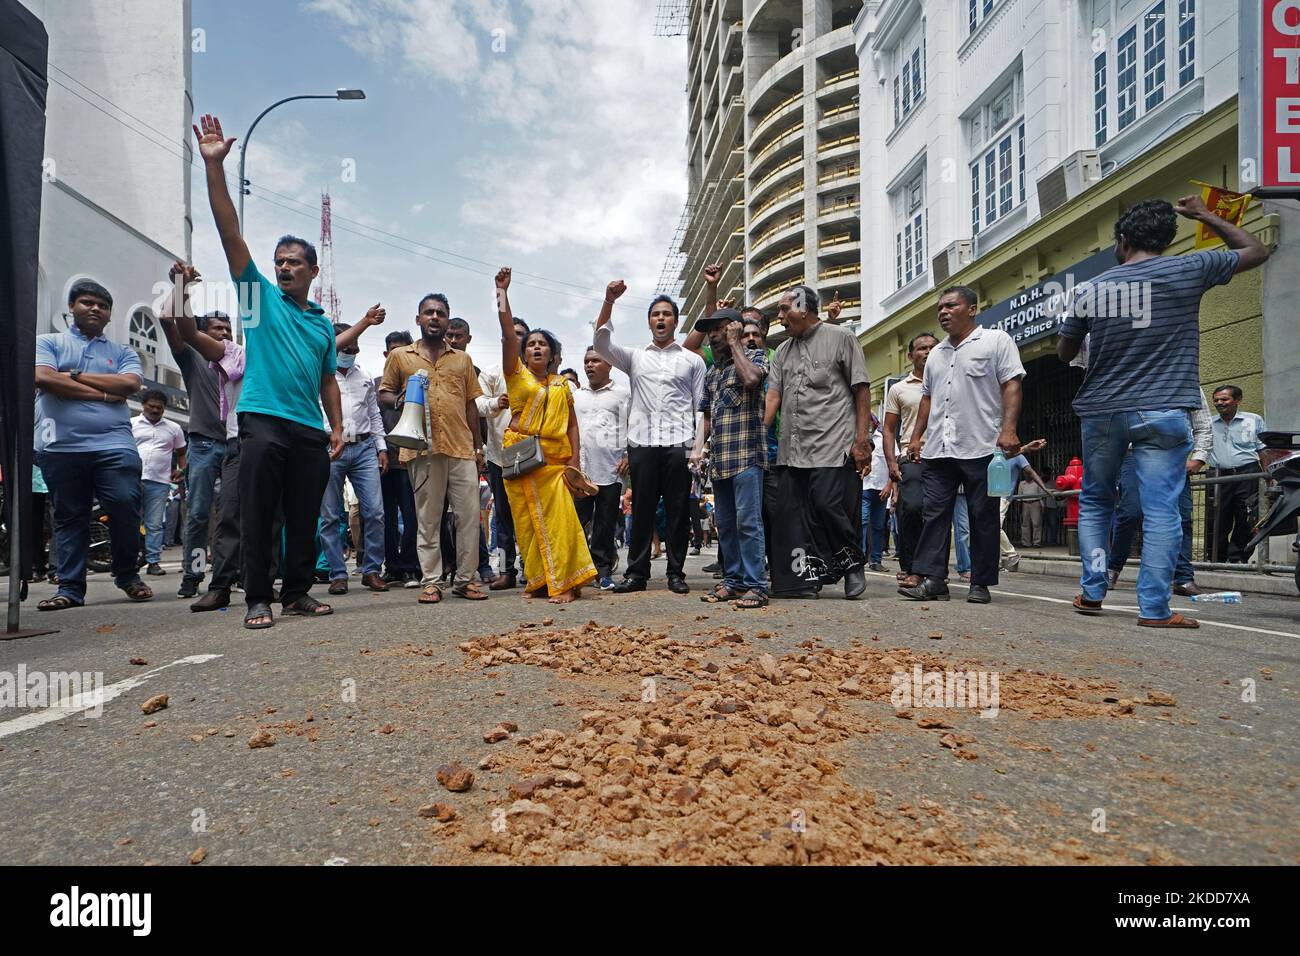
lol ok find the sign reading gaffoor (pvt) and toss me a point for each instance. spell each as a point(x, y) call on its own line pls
point(1280, 93)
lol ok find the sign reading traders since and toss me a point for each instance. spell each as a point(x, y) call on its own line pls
point(1037, 312)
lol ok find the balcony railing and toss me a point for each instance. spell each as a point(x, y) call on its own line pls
point(777, 142)
point(837, 143)
point(783, 168)
point(846, 75)
point(846, 172)
point(758, 213)
point(854, 269)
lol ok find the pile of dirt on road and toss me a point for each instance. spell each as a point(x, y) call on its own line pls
point(720, 753)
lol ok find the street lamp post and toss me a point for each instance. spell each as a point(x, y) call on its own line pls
point(342, 94)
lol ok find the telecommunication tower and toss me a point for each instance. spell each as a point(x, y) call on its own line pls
point(325, 293)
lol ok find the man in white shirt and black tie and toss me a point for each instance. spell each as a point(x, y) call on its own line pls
point(667, 383)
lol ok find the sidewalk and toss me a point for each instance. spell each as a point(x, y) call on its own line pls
point(1057, 562)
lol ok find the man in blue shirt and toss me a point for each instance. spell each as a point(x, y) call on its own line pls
point(289, 374)
point(1143, 322)
point(1235, 451)
point(84, 445)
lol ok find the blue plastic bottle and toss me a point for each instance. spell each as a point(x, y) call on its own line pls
point(999, 480)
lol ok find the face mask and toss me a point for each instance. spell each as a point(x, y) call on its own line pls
point(346, 360)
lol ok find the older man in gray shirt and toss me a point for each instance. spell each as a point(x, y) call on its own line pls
point(818, 382)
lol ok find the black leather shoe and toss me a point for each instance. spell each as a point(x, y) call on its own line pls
point(628, 585)
point(979, 594)
point(855, 582)
point(931, 589)
point(877, 567)
point(712, 566)
point(679, 586)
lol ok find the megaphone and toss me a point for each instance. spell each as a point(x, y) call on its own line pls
point(409, 431)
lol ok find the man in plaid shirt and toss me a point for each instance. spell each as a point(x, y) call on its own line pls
point(733, 418)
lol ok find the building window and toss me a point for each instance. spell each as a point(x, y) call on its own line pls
point(1186, 42)
point(909, 74)
point(142, 333)
point(1153, 57)
point(1161, 46)
point(1099, 97)
point(1126, 69)
point(977, 11)
point(997, 131)
point(909, 234)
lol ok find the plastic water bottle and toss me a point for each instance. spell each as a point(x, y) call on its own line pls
point(1218, 597)
point(999, 480)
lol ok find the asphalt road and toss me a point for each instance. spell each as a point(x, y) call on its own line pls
point(367, 703)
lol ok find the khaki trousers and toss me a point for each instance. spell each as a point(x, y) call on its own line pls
point(435, 479)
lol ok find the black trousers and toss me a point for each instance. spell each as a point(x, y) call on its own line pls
point(1234, 503)
point(283, 465)
point(399, 546)
point(910, 513)
point(504, 518)
point(225, 539)
point(816, 527)
point(600, 515)
point(658, 471)
point(941, 477)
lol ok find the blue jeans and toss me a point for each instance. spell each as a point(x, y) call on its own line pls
point(153, 505)
point(875, 514)
point(738, 510)
point(75, 479)
point(205, 457)
point(1161, 442)
point(961, 533)
point(359, 463)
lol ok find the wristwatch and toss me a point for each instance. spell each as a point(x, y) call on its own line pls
point(75, 374)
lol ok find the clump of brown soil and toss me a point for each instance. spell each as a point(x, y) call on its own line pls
point(728, 757)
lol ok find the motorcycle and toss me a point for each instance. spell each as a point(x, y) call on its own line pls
point(1281, 457)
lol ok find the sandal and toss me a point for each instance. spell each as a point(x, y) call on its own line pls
point(57, 603)
point(431, 594)
point(1174, 620)
point(470, 591)
point(259, 610)
point(139, 591)
point(307, 606)
point(1085, 606)
point(751, 599)
point(720, 594)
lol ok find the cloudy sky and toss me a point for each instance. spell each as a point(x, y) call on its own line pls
point(547, 135)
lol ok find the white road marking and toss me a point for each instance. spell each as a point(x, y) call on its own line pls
point(92, 700)
point(1134, 610)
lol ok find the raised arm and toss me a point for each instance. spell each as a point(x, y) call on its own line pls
point(374, 316)
point(167, 314)
point(214, 147)
point(212, 350)
point(695, 339)
point(603, 340)
point(1252, 252)
point(509, 341)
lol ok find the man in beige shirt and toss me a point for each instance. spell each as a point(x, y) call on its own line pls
point(901, 405)
point(447, 468)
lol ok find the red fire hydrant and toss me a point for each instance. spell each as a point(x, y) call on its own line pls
point(1071, 480)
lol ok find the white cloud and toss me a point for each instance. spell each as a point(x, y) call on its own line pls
point(582, 171)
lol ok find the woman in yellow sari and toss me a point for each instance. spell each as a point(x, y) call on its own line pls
point(547, 529)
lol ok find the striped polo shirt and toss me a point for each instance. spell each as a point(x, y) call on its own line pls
point(1143, 319)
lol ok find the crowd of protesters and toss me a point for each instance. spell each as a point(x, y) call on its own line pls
point(521, 461)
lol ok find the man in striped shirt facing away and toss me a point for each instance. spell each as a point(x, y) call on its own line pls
point(1143, 322)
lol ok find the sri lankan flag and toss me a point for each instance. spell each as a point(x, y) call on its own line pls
point(1225, 204)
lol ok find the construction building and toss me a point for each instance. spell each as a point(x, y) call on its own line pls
point(773, 147)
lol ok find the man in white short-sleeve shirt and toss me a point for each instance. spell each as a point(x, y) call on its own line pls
point(970, 403)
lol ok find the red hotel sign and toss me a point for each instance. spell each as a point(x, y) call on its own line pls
point(1280, 93)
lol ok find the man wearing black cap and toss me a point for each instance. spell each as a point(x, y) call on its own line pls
point(733, 416)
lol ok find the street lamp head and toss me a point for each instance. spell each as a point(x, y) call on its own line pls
point(351, 94)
